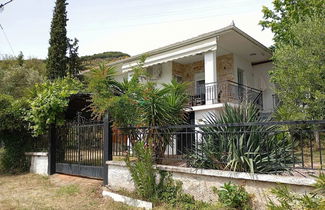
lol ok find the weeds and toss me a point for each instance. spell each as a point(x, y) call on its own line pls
point(166, 190)
point(286, 200)
point(233, 196)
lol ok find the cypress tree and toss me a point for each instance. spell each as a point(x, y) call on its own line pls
point(57, 60)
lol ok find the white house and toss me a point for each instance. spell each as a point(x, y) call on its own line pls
point(226, 65)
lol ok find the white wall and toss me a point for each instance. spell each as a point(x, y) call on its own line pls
point(166, 74)
point(199, 182)
point(39, 162)
point(263, 82)
point(246, 66)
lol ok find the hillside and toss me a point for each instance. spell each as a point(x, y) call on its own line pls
point(89, 61)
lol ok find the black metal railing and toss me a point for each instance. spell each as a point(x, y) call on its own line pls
point(270, 147)
point(226, 91)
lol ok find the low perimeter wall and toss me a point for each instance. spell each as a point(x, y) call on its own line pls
point(39, 162)
point(199, 182)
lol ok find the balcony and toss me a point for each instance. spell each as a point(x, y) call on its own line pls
point(225, 92)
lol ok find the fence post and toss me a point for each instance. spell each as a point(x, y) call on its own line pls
point(108, 143)
point(52, 150)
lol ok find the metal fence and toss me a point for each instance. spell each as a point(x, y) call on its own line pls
point(225, 91)
point(266, 146)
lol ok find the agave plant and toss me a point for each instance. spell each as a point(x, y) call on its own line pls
point(254, 148)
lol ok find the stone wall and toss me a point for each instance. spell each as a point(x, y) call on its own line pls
point(199, 182)
point(225, 68)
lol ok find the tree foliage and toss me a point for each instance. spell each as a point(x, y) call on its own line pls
point(48, 103)
point(74, 62)
point(285, 13)
point(254, 148)
point(299, 73)
point(14, 135)
point(17, 76)
point(57, 61)
point(139, 102)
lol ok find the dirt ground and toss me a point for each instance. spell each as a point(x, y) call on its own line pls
point(30, 191)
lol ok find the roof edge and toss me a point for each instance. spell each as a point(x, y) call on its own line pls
point(193, 40)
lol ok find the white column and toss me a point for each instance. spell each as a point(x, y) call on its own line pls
point(210, 72)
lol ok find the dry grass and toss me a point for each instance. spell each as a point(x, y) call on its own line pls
point(37, 192)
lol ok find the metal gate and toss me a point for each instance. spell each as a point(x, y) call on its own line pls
point(80, 149)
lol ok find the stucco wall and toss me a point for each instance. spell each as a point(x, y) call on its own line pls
point(263, 83)
point(246, 66)
point(199, 182)
point(39, 162)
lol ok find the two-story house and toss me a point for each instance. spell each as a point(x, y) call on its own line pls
point(222, 66)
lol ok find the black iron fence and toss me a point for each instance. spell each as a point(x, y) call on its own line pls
point(226, 91)
point(265, 147)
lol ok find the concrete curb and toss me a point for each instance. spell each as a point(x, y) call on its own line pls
point(127, 200)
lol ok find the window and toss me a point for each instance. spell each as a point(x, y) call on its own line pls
point(178, 78)
point(200, 87)
point(240, 76)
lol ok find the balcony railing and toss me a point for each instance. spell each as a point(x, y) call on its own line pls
point(226, 91)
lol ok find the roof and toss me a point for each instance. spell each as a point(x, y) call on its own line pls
point(194, 40)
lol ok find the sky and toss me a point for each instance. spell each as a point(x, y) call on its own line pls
point(130, 26)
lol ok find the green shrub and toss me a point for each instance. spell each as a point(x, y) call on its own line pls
point(12, 157)
point(286, 200)
point(164, 190)
point(2, 151)
point(14, 135)
point(48, 103)
point(254, 148)
point(233, 196)
point(320, 184)
point(142, 172)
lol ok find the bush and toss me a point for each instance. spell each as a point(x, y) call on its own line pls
point(142, 172)
point(13, 135)
point(255, 148)
point(12, 157)
point(166, 190)
point(287, 200)
point(233, 196)
point(48, 103)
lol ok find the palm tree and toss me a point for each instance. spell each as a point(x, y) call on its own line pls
point(139, 103)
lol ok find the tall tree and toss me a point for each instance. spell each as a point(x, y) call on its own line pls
point(288, 12)
point(299, 72)
point(74, 62)
point(57, 60)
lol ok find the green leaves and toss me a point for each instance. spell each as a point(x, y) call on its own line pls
point(299, 72)
point(48, 102)
point(233, 196)
point(287, 200)
point(286, 13)
point(57, 61)
point(254, 149)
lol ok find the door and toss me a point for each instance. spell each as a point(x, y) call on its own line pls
point(240, 81)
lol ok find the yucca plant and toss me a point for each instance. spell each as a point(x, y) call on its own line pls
point(250, 148)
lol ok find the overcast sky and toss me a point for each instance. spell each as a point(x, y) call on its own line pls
point(130, 26)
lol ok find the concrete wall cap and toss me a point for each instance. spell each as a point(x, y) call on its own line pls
point(292, 180)
point(37, 154)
